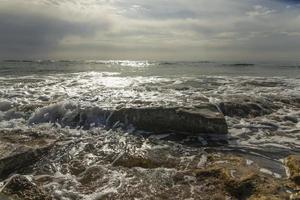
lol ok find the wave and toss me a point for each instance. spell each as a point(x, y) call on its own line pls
point(144, 63)
point(239, 64)
point(69, 114)
point(132, 63)
point(124, 63)
point(19, 61)
point(290, 66)
point(40, 61)
point(183, 62)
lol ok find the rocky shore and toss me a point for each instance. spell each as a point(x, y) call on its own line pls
point(219, 148)
point(105, 163)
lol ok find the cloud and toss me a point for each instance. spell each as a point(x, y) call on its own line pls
point(156, 29)
point(260, 11)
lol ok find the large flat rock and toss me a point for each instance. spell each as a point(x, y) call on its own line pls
point(19, 149)
point(201, 119)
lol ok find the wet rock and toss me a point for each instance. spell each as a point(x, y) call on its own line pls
point(204, 118)
point(291, 118)
point(11, 114)
point(293, 168)
point(20, 188)
point(5, 105)
point(295, 196)
point(242, 189)
point(265, 197)
point(291, 100)
point(262, 83)
point(19, 149)
point(243, 107)
point(76, 167)
point(247, 185)
point(29, 107)
point(201, 119)
point(145, 161)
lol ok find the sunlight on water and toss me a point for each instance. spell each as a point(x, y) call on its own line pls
point(124, 63)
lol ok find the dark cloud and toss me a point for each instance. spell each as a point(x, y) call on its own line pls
point(29, 34)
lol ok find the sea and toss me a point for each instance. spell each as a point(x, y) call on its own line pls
point(31, 90)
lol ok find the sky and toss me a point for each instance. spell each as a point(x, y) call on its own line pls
point(262, 30)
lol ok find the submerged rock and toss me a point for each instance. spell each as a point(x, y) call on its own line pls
point(243, 107)
point(20, 188)
point(201, 119)
point(290, 100)
point(19, 149)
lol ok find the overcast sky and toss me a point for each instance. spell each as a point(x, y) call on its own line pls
point(150, 29)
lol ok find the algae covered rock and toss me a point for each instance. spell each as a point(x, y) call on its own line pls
point(293, 167)
point(20, 188)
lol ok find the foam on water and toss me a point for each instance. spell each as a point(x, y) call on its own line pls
point(63, 95)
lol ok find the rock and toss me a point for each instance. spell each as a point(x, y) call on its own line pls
point(293, 168)
point(201, 119)
point(247, 184)
point(243, 107)
point(291, 100)
point(262, 83)
point(204, 118)
point(5, 106)
point(147, 161)
point(242, 189)
point(19, 149)
point(291, 118)
point(265, 197)
point(76, 167)
point(4, 197)
point(153, 168)
point(295, 196)
point(11, 114)
point(20, 188)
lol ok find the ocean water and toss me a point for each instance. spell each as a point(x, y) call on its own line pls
point(151, 68)
point(35, 90)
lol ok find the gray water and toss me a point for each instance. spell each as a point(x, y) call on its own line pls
point(152, 68)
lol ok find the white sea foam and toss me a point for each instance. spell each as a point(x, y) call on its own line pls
point(62, 97)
